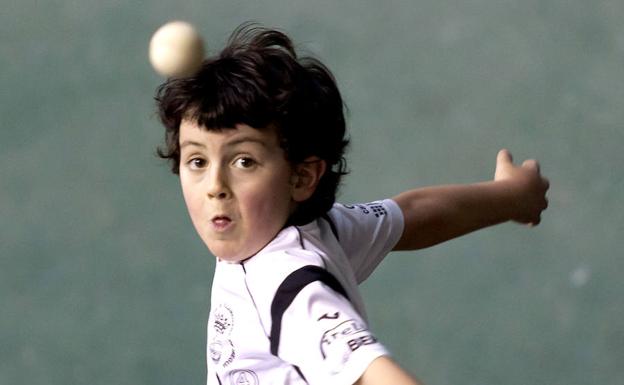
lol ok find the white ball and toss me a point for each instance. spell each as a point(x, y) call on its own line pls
point(176, 49)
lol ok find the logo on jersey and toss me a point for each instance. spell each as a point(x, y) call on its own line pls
point(328, 316)
point(338, 343)
point(341, 335)
point(377, 209)
point(243, 377)
point(223, 320)
point(220, 347)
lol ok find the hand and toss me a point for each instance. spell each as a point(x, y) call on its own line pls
point(527, 186)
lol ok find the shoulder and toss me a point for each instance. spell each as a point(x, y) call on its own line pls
point(285, 253)
point(374, 209)
point(265, 271)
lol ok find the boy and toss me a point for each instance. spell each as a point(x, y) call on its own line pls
point(257, 137)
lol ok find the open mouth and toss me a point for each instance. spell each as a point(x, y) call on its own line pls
point(221, 222)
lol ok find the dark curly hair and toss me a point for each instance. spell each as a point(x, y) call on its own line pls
point(259, 80)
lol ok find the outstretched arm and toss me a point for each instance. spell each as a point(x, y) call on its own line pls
point(436, 214)
point(384, 371)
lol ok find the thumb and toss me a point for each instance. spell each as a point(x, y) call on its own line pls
point(504, 157)
point(504, 164)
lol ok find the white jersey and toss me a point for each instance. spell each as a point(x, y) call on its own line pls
point(292, 314)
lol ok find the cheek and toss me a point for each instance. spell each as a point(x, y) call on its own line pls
point(271, 205)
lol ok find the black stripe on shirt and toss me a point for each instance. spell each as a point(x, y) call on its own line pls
point(331, 225)
point(289, 289)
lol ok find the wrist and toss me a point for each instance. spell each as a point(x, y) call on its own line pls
point(508, 193)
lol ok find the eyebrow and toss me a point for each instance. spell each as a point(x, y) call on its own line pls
point(187, 143)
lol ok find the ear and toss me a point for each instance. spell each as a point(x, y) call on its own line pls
point(306, 176)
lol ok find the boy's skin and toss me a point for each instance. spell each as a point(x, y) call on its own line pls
point(439, 213)
point(240, 190)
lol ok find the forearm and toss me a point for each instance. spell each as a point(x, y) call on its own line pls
point(435, 214)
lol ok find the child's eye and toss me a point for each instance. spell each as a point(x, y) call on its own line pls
point(244, 162)
point(197, 163)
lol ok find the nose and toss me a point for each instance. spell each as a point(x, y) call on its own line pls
point(218, 184)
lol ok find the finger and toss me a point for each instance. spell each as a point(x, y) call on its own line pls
point(504, 156)
point(531, 163)
point(546, 183)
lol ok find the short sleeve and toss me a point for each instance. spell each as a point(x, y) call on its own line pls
point(323, 336)
point(367, 232)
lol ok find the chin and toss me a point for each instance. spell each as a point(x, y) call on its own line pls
point(227, 254)
point(227, 251)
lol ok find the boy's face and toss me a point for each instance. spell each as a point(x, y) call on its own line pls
point(237, 187)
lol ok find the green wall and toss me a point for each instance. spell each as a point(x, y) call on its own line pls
point(103, 281)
